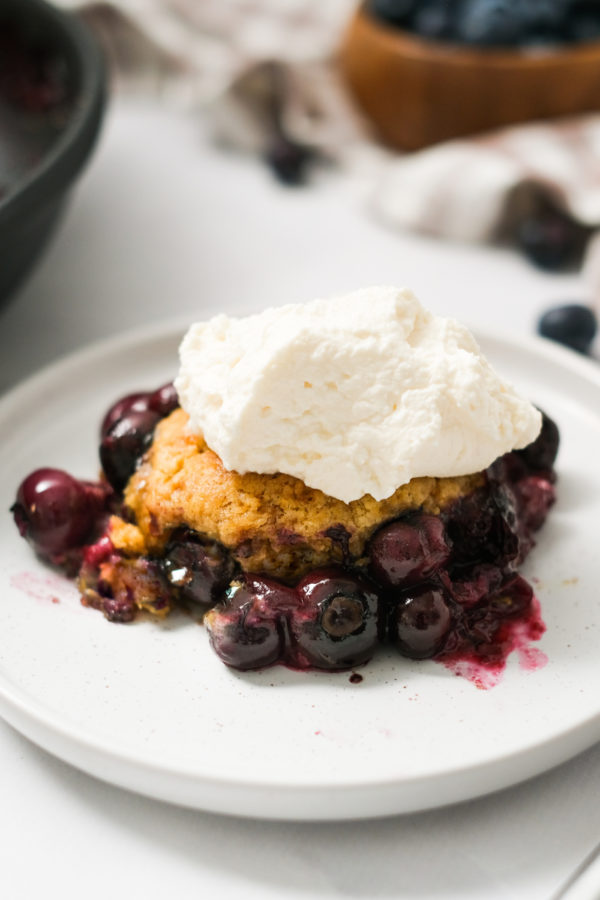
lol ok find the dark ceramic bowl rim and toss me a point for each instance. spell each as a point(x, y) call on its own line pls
point(68, 152)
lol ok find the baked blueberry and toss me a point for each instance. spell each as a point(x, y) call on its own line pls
point(56, 512)
point(199, 570)
point(124, 444)
point(408, 550)
point(247, 630)
point(138, 402)
point(541, 454)
point(335, 623)
point(483, 528)
point(164, 399)
point(419, 621)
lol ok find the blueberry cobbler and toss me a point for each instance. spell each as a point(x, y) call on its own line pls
point(256, 490)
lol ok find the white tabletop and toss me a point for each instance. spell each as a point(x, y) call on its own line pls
point(160, 225)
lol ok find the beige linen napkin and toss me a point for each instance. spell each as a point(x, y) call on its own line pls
point(253, 65)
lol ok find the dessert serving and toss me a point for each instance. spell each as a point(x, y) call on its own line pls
point(321, 479)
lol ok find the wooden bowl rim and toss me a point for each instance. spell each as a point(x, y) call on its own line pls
point(400, 42)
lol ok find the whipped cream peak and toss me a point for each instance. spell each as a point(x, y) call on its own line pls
point(354, 394)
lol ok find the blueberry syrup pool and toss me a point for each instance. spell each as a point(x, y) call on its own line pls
point(445, 587)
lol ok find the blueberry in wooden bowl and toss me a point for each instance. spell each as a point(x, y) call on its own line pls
point(425, 71)
point(52, 96)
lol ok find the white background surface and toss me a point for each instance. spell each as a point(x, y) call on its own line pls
point(160, 225)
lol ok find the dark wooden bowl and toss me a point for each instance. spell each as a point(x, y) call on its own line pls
point(418, 92)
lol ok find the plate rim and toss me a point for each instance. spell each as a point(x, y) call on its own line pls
point(17, 704)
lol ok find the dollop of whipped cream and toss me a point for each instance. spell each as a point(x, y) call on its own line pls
point(354, 394)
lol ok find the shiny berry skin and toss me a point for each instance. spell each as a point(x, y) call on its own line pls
point(336, 622)
point(419, 621)
point(541, 453)
point(138, 402)
point(247, 630)
point(198, 569)
point(573, 325)
point(408, 550)
point(124, 443)
point(164, 400)
point(54, 511)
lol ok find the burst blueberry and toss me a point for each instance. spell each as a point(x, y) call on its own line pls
point(198, 569)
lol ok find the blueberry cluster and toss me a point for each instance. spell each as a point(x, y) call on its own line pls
point(427, 585)
point(431, 585)
point(494, 23)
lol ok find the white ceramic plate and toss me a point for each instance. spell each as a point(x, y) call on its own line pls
point(149, 706)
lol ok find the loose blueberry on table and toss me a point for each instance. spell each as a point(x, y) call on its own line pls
point(573, 325)
point(443, 587)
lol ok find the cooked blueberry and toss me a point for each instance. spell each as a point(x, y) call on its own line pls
point(247, 630)
point(513, 599)
point(541, 453)
point(419, 621)
point(54, 511)
point(535, 495)
point(121, 609)
point(483, 527)
point(342, 616)
point(138, 402)
point(551, 239)
point(164, 400)
point(408, 550)
point(199, 569)
point(467, 589)
point(335, 623)
point(124, 443)
point(483, 628)
point(573, 325)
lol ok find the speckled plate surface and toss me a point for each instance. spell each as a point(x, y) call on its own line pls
point(149, 707)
